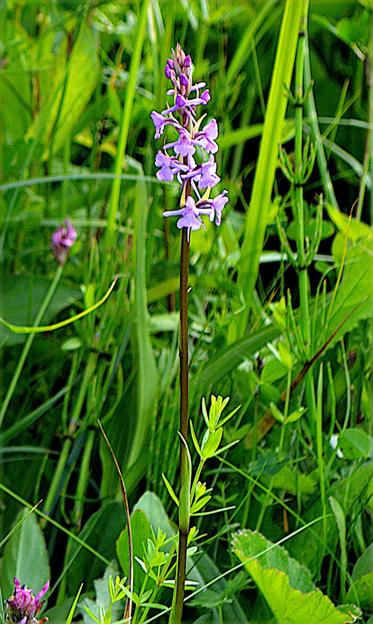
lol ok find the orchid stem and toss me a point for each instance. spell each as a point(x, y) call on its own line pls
point(184, 426)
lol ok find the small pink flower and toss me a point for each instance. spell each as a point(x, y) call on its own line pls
point(23, 605)
point(62, 241)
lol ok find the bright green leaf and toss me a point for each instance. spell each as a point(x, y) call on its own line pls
point(285, 584)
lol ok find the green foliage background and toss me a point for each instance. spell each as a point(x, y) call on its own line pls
point(78, 81)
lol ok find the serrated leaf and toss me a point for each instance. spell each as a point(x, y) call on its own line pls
point(286, 585)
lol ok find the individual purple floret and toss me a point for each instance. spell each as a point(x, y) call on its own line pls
point(190, 155)
point(23, 605)
point(62, 241)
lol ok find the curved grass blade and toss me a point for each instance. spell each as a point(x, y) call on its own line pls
point(17, 329)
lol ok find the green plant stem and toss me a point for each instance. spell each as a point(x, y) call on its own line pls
point(27, 346)
point(319, 447)
point(269, 495)
point(316, 134)
point(368, 156)
point(125, 122)
point(298, 190)
point(83, 480)
point(184, 425)
point(299, 210)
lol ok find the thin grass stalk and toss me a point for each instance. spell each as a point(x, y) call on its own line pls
point(298, 189)
point(303, 280)
point(125, 123)
point(315, 407)
point(128, 607)
point(184, 424)
point(28, 344)
point(65, 453)
point(316, 134)
point(54, 523)
point(320, 452)
point(260, 204)
point(84, 476)
point(368, 156)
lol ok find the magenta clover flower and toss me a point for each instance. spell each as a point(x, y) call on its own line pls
point(62, 241)
point(190, 157)
point(23, 605)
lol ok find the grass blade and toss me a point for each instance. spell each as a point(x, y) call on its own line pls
point(267, 162)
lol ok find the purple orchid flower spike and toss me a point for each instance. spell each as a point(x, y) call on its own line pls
point(23, 606)
point(191, 156)
point(62, 241)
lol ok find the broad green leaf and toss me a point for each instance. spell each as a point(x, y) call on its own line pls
point(20, 300)
point(355, 444)
point(15, 100)
point(361, 591)
point(39, 329)
point(147, 380)
point(73, 86)
point(26, 557)
point(292, 480)
point(147, 514)
point(350, 228)
point(156, 514)
point(354, 298)
point(286, 585)
point(141, 532)
point(364, 564)
point(273, 370)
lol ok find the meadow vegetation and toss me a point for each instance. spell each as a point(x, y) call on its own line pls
point(279, 462)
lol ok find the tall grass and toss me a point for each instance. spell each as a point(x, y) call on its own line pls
point(280, 296)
